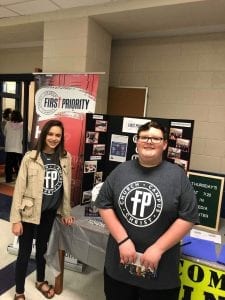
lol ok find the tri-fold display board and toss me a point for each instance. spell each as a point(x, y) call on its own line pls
point(111, 140)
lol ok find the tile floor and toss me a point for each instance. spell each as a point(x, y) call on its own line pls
point(87, 285)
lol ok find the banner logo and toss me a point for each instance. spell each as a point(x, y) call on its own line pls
point(47, 102)
point(63, 101)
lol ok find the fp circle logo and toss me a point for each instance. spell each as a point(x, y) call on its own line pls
point(141, 203)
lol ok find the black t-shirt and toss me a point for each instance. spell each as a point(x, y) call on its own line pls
point(147, 201)
point(53, 182)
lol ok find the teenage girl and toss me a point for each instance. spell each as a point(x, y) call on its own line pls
point(42, 190)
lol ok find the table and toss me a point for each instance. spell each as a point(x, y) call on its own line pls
point(86, 240)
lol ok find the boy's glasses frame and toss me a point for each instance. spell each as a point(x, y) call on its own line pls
point(153, 140)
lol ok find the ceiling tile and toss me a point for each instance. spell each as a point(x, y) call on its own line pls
point(4, 13)
point(7, 2)
point(76, 3)
point(35, 6)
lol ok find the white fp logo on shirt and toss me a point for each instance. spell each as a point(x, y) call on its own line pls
point(53, 179)
point(141, 203)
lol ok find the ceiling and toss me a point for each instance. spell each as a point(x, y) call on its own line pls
point(121, 18)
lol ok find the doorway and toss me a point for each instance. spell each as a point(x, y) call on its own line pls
point(14, 94)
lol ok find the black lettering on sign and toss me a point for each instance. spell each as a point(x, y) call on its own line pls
point(187, 292)
point(214, 280)
point(195, 273)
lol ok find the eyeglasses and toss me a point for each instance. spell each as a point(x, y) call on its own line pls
point(153, 140)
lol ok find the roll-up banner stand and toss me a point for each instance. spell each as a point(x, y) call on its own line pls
point(66, 97)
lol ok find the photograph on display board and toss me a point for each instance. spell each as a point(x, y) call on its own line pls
point(118, 148)
point(97, 177)
point(182, 163)
point(173, 152)
point(92, 137)
point(175, 133)
point(183, 144)
point(101, 125)
point(90, 166)
point(86, 198)
point(99, 149)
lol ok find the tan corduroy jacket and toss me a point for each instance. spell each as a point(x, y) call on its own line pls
point(28, 192)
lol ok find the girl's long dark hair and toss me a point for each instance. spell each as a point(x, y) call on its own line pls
point(59, 150)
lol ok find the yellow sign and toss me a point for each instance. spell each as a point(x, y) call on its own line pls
point(199, 282)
